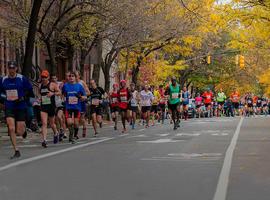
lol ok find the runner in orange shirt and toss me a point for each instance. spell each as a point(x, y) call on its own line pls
point(235, 97)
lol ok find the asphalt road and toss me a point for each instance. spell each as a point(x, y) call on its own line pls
point(206, 159)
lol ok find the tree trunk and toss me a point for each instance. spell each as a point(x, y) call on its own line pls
point(70, 55)
point(51, 52)
point(136, 70)
point(96, 73)
point(107, 68)
point(30, 41)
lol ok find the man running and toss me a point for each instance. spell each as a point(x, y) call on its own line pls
point(185, 101)
point(173, 91)
point(83, 106)
point(154, 108)
point(235, 97)
point(17, 90)
point(134, 102)
point(74, 94)
point(96, 96)
point(198, 104)
point(208, 99)
point(59, 104)
point(124, 99)
point(114, 104)
point(48, 90)
point(146, 97)
point(221, 98)
point(162, 103)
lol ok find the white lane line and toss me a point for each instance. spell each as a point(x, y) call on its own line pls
point(141, 129)
point(28, 160)
point(222, 186)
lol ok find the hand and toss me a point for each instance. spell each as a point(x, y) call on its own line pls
point(50, 94)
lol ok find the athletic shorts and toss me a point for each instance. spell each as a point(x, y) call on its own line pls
point(72, 112)
point(18, 114)
point(58, 109)
point(259, 105)
point(198, 106)
point(250, 105)
point(161, 107)
point(154, 109)
point(96, 110)
point(114, 109)
point(236, 105)
point(146, 109)
point(221, 103)
point(83, 107)
point(173, 106)
point(50, 110)
point(133, 108)
point(185, 103)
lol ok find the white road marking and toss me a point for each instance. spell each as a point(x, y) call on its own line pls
point(159, 141)
point(141, 129)
point(28, 160)
point(188, 134)
point(222, 186)
point(220, 134)
point(137, 136)
point(164, 135)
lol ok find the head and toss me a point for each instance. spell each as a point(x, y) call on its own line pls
point(198, 94)
point(72, 77)
point(93, 83)
point(115, 86)
point(78, 75)
point(146, 87)
point(12, 68)
point(132, 86)
point(208, 90)
point(67, 75)
point(185, 89)
point(160, 87)
point(123, 83)
point(54, 78)
point(173, 80)
point(45, 76)
point(220, 90)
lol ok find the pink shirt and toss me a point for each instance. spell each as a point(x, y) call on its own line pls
point(198, 100)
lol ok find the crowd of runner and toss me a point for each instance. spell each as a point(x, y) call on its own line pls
point(67, 104)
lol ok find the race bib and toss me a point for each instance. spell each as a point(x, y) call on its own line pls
point(133, 103)
point(249, 101)
point(45, 100)
point(12, 95)
point(114, 100)
point(72, 100)
point(175, 95)
point(123, 99)
point(95, 102)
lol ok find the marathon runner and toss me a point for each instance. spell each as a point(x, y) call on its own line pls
point(208, 100)
point(221, 98)
point(59, 103)
point(185, 102)
point(48, 90)
point(96, 96)
point(198, 104)
point(74, 94)
point(83, 106)
point(154, 108)
point(235, 97)
point(259, 105)
point(249, 102)
point(134, 103)
point(114, 104)
point(173, 90)
point(124, 99)
point(17, 89)
point(146, 97)
point(264, 105)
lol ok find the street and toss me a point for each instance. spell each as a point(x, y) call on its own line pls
point(192, 163)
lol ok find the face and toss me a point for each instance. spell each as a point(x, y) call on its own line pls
point(132, 87)
point(12, 71)
point(54, 79)
point(123, 84)
point(92, 83)
point(173, 81)
point(44, 79)
point(185, 89)
point(146, 87)
point(67, 76)
point(71, 78)
point(115, 87)
point(77, 76)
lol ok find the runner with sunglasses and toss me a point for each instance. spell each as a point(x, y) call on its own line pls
point(75, 94)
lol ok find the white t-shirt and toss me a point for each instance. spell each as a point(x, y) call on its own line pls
point(146, 98)
point(134, 102)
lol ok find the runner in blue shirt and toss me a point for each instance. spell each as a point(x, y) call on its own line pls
point(17, 90)
point(74, 94)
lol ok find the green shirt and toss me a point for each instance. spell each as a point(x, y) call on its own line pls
point(221, 97)
point(174, 94)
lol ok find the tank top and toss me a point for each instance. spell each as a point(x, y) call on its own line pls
point(123, 98)
point(45, 100)
point(114, 99)
point(174, 94)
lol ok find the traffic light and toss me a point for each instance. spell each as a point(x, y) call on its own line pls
point(241, 61)
point(208, 60)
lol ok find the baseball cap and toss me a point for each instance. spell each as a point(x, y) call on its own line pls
point(45, 73)
point(12, 64)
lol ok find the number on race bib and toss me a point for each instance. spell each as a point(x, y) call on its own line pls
point(123, 99)
point(45, 100)
point(114, 100)
point(12, 95)
point(95, 102)
point(175, 95)
point(72, 100)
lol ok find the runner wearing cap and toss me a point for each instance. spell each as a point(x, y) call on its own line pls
point(17, 90)
point(114, 104)
point(47, 91)
point(134, 103)
point(75, 94)
point(124, 98)
point(147, 98)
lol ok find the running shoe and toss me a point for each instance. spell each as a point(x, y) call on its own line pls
point(17, 154)
point(44, 144)
point(56, 139)
point(24, 134)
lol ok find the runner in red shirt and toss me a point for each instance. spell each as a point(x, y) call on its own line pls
point(208, 99)
point(114, 104)
point(235, 97)
point(124, 98)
